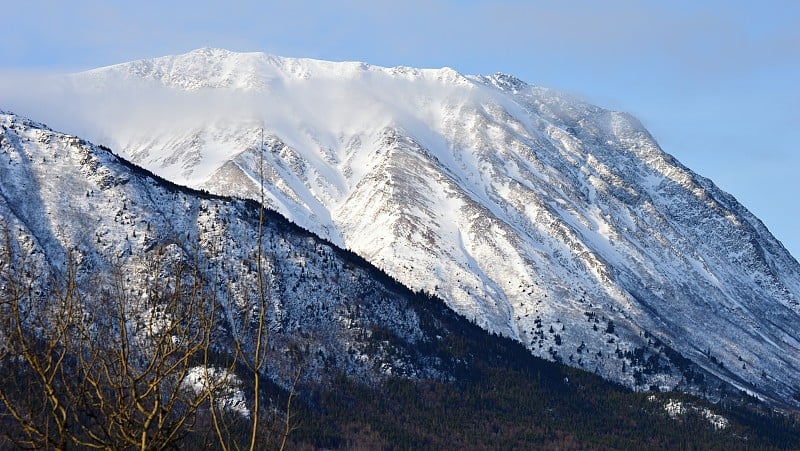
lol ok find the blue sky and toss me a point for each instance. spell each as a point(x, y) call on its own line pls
point(714, 81)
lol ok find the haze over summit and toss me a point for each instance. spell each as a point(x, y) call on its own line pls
point(714, 83)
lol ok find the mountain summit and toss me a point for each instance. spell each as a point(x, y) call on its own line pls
point(538, 216)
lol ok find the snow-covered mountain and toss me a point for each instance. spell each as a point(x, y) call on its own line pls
point(68, 205)
point(540, 217)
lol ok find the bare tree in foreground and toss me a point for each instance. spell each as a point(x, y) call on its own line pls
point(126, 366)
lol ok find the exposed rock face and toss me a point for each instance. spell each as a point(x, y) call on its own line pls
point(63, 198)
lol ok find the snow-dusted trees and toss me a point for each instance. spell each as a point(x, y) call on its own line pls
point(126, 361)
point(101, 368)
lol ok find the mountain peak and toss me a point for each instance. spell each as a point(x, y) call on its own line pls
point(507, 82)
point(209, 67)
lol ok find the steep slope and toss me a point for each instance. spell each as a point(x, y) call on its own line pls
point(542, 218)
point(63, 198)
